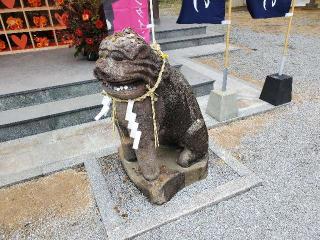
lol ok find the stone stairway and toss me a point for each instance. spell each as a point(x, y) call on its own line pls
point(60, 101)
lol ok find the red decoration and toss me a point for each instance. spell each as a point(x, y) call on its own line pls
point(20, 42)
point(14, 23)
point(86, 15)
point(34, 3)
point(8, 3)
point(40, 21)
point(99, 24)
point(67, 38)
point(42, 41)
point(2, 45)
point(62, 19)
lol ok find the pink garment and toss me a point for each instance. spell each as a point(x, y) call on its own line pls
point(134, 14)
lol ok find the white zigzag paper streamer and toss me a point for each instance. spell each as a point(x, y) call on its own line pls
point(106, 101)
point(133, 125)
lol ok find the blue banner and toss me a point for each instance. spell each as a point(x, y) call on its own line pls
point(268, 8)
point(202, 11)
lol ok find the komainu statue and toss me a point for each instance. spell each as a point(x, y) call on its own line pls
point(164, 139)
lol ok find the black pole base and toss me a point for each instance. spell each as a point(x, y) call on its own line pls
point(277, 89)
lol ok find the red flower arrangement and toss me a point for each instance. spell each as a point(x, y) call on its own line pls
point(86, 23)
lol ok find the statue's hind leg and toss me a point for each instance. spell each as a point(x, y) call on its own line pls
point(195, 143)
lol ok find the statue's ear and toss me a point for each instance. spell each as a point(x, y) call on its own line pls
point(129, 31)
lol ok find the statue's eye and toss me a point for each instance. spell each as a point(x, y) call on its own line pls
point(118, 56)
point(103, 54)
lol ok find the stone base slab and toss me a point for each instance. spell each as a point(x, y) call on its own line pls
point(172, 176)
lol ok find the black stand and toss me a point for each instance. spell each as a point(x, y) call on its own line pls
point(277, 89)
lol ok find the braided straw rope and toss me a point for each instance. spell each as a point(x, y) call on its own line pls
point(151, 93)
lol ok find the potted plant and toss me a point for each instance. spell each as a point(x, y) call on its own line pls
point(86, 22)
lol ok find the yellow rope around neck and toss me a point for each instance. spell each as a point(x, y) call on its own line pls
point(151, 93)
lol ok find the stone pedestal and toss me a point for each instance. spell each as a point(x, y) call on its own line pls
point(172, 177)
point(222, 105)
point(277, 89)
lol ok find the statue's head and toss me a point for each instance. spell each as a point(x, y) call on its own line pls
point(126, 65)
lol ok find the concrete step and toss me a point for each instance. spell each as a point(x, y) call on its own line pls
point(175, 31)
point(190, 41)
point(201, 84)
point(40, 118)
point(53, 93)
point(48, 94)
point(45, 117)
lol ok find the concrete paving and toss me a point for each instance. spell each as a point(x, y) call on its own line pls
point(44, 149)
point(60, 68)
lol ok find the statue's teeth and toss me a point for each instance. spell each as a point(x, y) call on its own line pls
point(121, 88)
point(125, 87)
point(118, 89)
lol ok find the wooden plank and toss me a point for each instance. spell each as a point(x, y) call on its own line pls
point(34, 29)
point(33, 50)
point(28, 9)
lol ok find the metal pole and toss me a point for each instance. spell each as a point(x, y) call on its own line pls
point(286, 43)
point(226, 52)
point(152, 23)
point(156, 12)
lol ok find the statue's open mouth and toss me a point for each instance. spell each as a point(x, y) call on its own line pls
point(125, 89)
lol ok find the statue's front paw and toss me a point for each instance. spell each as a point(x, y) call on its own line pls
point(150, 172)
point(186, 158)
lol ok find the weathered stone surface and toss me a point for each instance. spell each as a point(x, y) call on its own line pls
point(126, 66)
point(172, 176)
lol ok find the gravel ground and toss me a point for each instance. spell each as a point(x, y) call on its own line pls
point(86, 226)
point(285, 153)
point(261, 56)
